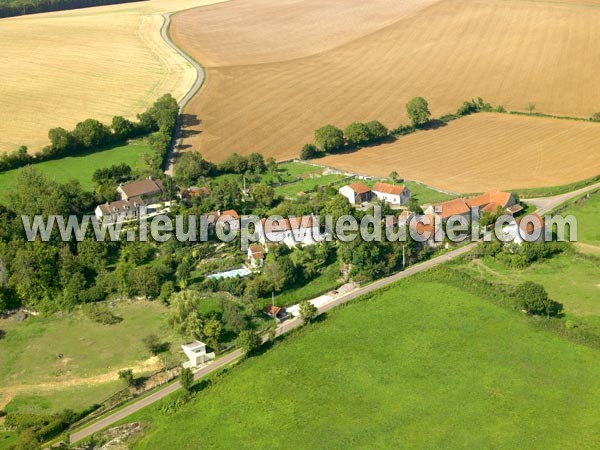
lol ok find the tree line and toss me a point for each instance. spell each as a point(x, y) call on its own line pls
point(330, 139)
point(157, 122)
point(10, 8)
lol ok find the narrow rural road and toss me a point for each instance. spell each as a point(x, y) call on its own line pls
point(282, 329)
point(547, 204)
point(200, 76)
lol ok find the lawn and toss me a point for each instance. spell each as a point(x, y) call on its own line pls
point(285, 172)
point(307, 184)
point(79, 167)
point(91, 355)
point(420, 365)
point(571, 278)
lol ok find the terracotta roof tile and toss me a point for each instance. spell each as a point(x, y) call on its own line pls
point(359, 187)
point(388, 188)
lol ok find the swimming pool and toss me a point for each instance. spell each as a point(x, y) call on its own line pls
point(243, 272)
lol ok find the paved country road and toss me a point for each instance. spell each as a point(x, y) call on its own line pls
point(547, 204)
point(282, 329)
point(200, 76)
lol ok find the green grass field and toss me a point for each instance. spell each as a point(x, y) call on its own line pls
point(91, 352)
point(570, 278)
point(51, 401)
point(8, 439)
point(80, 167)
point(287, 171)
point(587, 213)
point(306, 185)
point(421, 365)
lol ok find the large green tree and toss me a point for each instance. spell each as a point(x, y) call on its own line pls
point(190, 167)
point(358, 134)
point(329, 138)
point(418, 111)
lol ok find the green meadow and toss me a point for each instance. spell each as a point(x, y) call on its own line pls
point(422, 364)
point(90, 351)
point(80, 167)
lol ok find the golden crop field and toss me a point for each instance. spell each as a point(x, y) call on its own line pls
point(271, 82)
point(486, 151)
point(60, 68)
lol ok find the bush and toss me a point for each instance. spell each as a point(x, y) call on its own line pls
point(308, 311)
point(248, 341)
point(473, 106)
point(186, 379)
point(533, 298)
point(100, 313)
point(172, 405)
point(308, 151)
point(403, 130)
point(329, 138)
point(126, 375)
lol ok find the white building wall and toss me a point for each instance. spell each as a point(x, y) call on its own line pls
point(347, 192)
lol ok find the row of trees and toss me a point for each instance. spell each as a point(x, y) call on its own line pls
point(9, 8)
point(157, 122)
point(330, 139)
point(191, 166)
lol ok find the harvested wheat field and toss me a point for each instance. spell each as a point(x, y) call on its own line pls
point(486, 151)
point(271, 80)
point(60, 68)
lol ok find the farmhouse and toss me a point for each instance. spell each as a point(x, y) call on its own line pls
point(149, 190)
point(456, 207)
point(356, 193)
point(256, 255)
point(120, 210)
point(396, 195)
point(196, 353)
point(492, 200)
point(291, 232)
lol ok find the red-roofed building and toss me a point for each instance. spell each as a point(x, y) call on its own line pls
point(193, 192)
point(356, 193)
point(393, 194)
point(291, 231)
point(492, 200)
point(275, 312)
point(456, 207)
point(229, 219)
point(256, 255)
